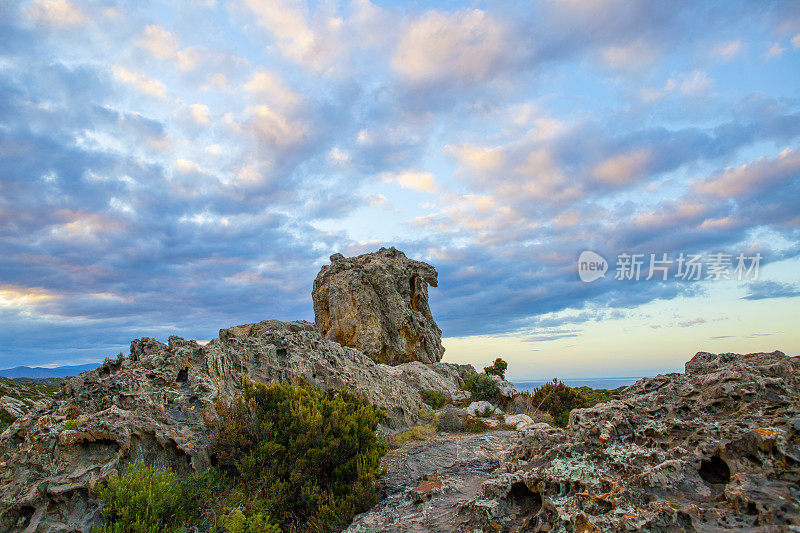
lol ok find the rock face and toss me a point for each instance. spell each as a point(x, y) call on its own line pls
point(157, 406)
point(378, 304)
point(426, 483)
point(716, 448)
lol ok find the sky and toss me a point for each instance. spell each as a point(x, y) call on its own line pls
point(180, 167)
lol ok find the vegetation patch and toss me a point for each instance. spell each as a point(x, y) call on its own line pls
point(482, 387)
point(556, 400)
point(498, 368)
point(288, 458)
point(434, 398)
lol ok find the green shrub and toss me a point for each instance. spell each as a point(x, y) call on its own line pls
point(142, 499)
point(557, 400)
point(312, 457)
point(237, 522)
point(474, 425)
point(482, 387)
point(498, 368)
point(6, 419)
point(70, 423)
point(434, 398)
point(415, 433)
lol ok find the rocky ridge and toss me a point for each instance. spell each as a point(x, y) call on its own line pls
point(155, 406)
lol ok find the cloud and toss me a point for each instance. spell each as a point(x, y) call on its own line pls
point(761, 290)
point(776, 50)
point(200, 113)
point(727, 50)
point(547, 337)
point(465, 47)
point(690, 323)
point(693, 83)
point(629, 56)
point(796, 41)
point(272, 90)
point(316, 47)
point(751, 177)
point(56, 13)
point(624, 168)
point(140, 81)
point(415, 180)
point(159, 42)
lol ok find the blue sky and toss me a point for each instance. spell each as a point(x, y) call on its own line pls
point(181, 167)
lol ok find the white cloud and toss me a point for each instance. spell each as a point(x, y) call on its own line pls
point(200, 113)
point(272, 89)
point(414, 180)
point(286, 21)
point(140, 81)
point(727, 50)
point(691, 84)
point(774, 51)
point(56, 13)
point(276, 129)
point(631, 56)
point(796, 41)
point(467, 46)
point(159, 42)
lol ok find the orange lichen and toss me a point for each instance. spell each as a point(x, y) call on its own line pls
point(767, 432)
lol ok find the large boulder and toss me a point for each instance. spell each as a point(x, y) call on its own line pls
point(378, 304)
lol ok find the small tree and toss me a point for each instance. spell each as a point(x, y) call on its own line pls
point(498, 368)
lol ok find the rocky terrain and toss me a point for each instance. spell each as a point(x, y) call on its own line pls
point(714, 448)
point(20, 395)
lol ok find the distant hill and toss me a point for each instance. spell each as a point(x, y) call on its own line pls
point(42, 372)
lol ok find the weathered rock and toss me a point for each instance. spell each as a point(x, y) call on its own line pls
point(378, 303)
point(716, 448)
point(505, 389)
point(427, 482)
point(156, 407)
point(519, 422)
point(482, 408)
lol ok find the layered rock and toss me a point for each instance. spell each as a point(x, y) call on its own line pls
point(378, 303)
point(158, 406)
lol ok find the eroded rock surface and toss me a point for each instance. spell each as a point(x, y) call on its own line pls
point(426, 483)
point(378, 303)
point(713, 449)
point(157, 405)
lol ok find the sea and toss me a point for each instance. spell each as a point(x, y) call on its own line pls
point(595, 383)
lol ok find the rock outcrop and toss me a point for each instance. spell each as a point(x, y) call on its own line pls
point(716, 448)
point(157, 406)
point(378, 304)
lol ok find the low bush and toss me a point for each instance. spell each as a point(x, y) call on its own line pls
point(414, 433)
point(498, 368)
point(143, 499)
point(236, 521)
point(70, 423)
point(482, 387)
point(434, 398)
point(557, 400)
point(311, 456)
